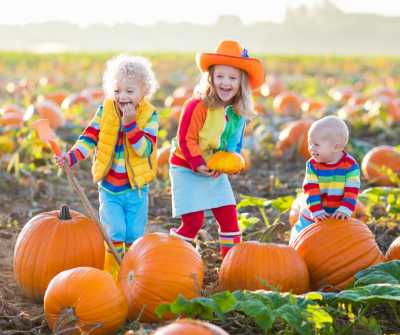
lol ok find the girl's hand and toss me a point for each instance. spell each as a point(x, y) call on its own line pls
point(239, 172)
point(129, 114)
point(321, 217)
point(60, 160)
point(204, 170)
point(340, 215)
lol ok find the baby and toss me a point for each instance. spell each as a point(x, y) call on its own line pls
point(332, 176)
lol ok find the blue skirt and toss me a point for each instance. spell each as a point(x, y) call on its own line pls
point(193, 192)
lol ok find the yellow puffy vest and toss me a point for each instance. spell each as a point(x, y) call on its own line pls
point(140, 170)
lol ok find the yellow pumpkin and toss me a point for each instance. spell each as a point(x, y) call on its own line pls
point(226, 161)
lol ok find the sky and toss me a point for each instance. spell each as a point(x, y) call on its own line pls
point(148, 12)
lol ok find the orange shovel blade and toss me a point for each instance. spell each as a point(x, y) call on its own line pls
point(43, 131)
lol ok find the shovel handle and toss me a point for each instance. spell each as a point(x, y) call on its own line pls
point(91, 211)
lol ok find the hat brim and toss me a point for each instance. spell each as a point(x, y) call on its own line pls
point(252, 66)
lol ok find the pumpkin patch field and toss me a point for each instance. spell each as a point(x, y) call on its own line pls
point(335, 277)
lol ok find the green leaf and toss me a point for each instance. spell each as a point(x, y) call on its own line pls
point(382, 273)
point(203, 307)
point(245, 222)
point(283, 204)
point(251, 201)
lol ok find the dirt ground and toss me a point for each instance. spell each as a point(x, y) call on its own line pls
point(41, 192)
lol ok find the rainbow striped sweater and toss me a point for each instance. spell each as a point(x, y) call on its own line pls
point(330, 187)
point(201, 131)
point(117, 181)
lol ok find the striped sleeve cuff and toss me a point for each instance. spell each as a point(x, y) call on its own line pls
point(73, 159)
point(130, 126)
point(318, 213)
point(196, 162)
point(345, 210)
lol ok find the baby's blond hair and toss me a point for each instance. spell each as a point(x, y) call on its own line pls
point(126, 66)
point(333, 126)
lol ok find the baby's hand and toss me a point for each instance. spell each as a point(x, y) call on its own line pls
point(60, 160)
point(340, 215)
point(204, 170)
point(129, 115)
point(321, 217)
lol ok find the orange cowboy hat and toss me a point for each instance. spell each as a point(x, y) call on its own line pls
point(231, 53)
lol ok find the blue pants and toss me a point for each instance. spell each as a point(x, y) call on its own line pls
point(124, 216)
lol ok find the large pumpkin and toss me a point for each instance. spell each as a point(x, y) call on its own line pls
point(225, 161)
point(296, 134)
point(309, 106)
point(393, 252)
point(192, 327)
point(383, 90)
point(390, 109)
point(12, 115)
point(95, 93)
point(273, 86)
point(288, 103)
point(375, 159)
point(163, 155)
point(294, 214)
point(48, 109)
point(58, 97)
point(51, 243)
point(335, 250)
point(156, 269)
point(277, 264)
point(83, 296)
point(77, 99)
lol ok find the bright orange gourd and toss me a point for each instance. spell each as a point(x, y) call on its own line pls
point(51, 243)
point(192, 327)
point(156, 269)
point(226, 161)
point(77, 99)
point(95, 93)
point(12, 115)
point(247, 159)
point(277, 264)
point(393, 252)
point(375, 159)
point(48, 109)
point(288, 103)
point(82, 296)
point(58, 97)
point(335, 250)
point(296, 133)
point(273, 86)
point(163, 155)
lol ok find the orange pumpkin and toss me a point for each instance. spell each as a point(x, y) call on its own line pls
point(163, 155)
point(309, 106)
point(77, 99)
point(294, 214)
point(246, 156)
point(82, 296)
point(48, 109)
point(335, 250)
point(343, 95)
point(380, 98)
point(351, 113)
point(171, 101)
point(12, 115)
point(375, 159)
point(260, 108)
point(270, 262)
point(273, 86)
point(357, 99)
point(95, 93)
point(58, 97)
point(393, 252)
point(48, 245)
point(155, 270)
point(225, 161)
point(288, 103)
point(184, 90)
point(383, 90)
point(296, 133)
point(192, 327)
point(175, 114)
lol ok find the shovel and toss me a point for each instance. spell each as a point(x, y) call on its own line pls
point(43, 131)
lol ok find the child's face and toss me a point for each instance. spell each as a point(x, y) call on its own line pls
point(129, 91)
point(322, 147)
point(226, 82)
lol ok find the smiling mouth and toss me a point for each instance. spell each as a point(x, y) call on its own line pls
point(226, 90)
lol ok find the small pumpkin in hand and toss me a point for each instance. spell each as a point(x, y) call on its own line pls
point(226, 161)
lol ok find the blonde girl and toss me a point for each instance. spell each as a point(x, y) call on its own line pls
point(218, 112)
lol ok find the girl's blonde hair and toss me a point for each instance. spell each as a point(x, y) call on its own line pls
point(242, 101)
point(126, 66)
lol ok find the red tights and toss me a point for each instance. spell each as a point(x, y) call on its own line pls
point(226, 217)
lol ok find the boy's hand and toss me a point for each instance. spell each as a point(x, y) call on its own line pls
point(60, 160)
point(340, 215)
point(321, 217)
point(129, 114)
point(204, 170)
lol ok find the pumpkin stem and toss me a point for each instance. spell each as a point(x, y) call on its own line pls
point(64, 213)
point(226, 148)
point(66, 320)
point(270, 232)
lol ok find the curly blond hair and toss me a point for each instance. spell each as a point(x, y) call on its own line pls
point(242, 101)
point(125, 66)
